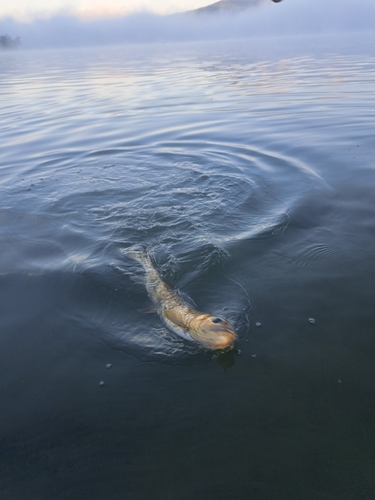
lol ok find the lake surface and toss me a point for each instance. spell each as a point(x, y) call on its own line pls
point(246, 168)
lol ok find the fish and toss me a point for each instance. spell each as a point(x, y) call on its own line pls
point(178, 312)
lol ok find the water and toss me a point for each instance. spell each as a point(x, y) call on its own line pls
point(247, 170)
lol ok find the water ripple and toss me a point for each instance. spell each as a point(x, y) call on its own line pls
point(194, 160)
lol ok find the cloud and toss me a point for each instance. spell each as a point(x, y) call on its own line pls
point(287, 17)
point(29, 10)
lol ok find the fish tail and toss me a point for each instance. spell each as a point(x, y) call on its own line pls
point(136, 253)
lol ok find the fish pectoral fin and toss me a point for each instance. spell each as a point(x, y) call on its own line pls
point(174, 317)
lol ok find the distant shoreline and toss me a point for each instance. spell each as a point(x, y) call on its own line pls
point(6, 42)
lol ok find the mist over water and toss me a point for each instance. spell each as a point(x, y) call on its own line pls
point(246, 168)
point(264, 18)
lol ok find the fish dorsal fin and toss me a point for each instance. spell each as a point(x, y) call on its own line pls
point(174, 317)
point(186, 298)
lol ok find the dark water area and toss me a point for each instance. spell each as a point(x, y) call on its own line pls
point(246, 168)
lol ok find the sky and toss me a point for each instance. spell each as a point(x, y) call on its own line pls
point(27, 10)
point(55, 23)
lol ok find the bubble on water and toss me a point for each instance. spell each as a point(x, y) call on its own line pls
point(108, 365)
point(101, 383)
point(253, 355)
point(312, 321)
point(258, 324)
point(339, 381)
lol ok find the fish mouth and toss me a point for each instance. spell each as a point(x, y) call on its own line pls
point(223, 341)
point(226, 338)
point(226, 343)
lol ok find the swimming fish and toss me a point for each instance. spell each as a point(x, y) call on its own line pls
point(178, 312)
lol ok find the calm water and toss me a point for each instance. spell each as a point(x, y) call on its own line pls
point(247, 170)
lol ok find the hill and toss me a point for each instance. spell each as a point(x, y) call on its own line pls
point(234, 6)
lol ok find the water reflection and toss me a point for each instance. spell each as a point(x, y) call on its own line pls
point(227, 359)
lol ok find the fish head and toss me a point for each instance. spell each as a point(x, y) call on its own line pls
point(213, 332)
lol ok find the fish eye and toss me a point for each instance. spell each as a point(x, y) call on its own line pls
point(217, 320)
